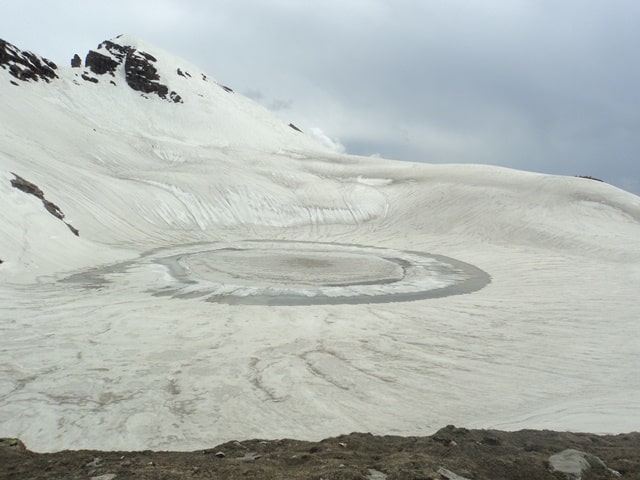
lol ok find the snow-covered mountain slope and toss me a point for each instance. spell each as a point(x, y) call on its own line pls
point(233, 278)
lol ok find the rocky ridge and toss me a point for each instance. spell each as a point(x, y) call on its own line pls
point(109, 62)
point(24, 65)
point(140, 72)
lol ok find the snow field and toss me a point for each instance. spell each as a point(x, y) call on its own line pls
point(107, 363)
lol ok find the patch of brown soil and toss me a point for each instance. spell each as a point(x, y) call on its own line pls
point(451, 453)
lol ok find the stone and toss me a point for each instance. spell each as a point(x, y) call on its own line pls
point(250, 457)
point(449, 475)
point(572, 463)
point(94, 463)
point(76, 61)
point(376, 475)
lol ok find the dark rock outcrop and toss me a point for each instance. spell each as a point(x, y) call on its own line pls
point(148, 56)
point(142, 76)
point(76, 61)
point(140, 72)
point(589, 177)
point(89, 79)
point(32, 189)
point(100, 64)
point(24, 65)
point(116, 50)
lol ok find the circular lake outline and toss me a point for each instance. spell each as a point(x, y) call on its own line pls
point(473, 279)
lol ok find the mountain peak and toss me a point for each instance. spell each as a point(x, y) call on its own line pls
point(125, 53)
point(125, 78)
point(132, 41)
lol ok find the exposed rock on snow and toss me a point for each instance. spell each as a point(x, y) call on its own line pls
point(589, 177)
point(140, 73)
point(89, 79)
point(76, 61)
point(32, 189)
point(25, 65)
point(100, 64)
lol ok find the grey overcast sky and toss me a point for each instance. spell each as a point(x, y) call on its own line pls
point(549, 86)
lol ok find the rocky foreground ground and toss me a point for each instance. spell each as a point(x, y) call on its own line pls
point(450, 454)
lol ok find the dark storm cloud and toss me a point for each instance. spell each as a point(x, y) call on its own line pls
point(540, 85)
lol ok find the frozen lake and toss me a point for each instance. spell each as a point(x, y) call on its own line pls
point(297, 273)
point(138, 355)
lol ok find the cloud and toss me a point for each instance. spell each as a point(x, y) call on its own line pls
point(322, 138)
point(533, 84)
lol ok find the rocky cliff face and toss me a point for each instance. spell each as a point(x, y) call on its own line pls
point(25, 66)
point(140, 73)
point(139, 70)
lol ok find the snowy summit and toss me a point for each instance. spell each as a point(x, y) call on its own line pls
point(179, 268)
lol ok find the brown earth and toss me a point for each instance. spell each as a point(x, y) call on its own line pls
point(452, 453)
